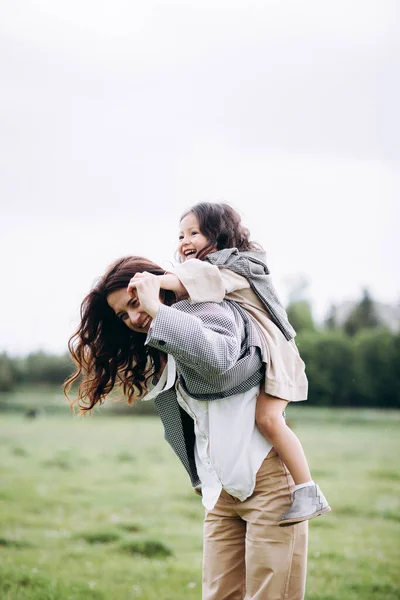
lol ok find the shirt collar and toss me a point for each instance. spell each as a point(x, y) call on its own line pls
point(165, 382)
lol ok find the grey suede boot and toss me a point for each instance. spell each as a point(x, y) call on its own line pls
point(308, 502)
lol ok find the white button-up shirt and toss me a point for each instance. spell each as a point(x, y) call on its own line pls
point(229, 448)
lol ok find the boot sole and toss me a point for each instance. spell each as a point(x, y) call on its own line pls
point(293, 521)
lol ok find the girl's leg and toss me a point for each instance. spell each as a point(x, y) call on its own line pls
point(308, 500)
point(273, 426)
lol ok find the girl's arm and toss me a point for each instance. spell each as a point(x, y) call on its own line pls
point(199, 281)
point(168, 281)
point(204, 282)
point(171, 282)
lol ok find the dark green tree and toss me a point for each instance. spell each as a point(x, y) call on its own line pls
point(6, 373)
point(40, 367)
point(376, 368)
point(329, 360)
point(300, 316)
point(331, 322)
point(363, 316)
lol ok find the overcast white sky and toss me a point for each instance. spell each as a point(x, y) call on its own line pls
point(115, 116)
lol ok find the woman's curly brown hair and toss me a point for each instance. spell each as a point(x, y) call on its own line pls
point(105, 351)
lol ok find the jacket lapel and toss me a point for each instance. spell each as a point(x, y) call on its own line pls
point(178, 431)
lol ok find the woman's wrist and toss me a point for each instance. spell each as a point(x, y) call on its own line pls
point(153, 309)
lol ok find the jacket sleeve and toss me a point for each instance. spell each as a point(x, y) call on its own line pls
point(207, 283)
point(202, 280)
point(208, 339)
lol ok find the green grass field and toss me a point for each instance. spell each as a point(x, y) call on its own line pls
point(100, 508)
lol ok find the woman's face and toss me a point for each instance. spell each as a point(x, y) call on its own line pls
point(191, 240)
point(128, 309)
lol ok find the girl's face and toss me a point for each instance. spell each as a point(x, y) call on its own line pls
point(191, 240)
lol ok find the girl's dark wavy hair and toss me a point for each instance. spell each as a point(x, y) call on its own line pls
point(222, 225)
point(106, 352)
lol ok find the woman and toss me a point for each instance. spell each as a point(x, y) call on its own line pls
point(202, 363)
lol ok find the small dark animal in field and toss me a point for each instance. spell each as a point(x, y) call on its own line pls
point(34, 413)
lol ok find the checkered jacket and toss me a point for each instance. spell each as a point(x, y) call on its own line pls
point(251, 265)
point(217, 354)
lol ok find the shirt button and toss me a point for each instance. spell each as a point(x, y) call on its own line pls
point(161, 342)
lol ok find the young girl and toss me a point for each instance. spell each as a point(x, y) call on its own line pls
point(219, 261)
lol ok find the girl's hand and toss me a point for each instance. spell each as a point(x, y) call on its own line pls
point(147, 288)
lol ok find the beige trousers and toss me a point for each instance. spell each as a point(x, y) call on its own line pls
point(247, 556)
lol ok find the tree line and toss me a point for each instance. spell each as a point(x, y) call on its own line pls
point(354, 363)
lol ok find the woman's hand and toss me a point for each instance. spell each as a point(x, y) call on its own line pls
point(147, 287)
